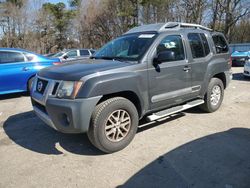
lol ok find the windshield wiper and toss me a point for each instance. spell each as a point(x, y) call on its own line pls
point(109, 58)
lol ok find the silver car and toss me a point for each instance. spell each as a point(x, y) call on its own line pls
point(73, 54)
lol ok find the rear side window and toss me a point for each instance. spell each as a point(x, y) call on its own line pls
point(172, 43)
point(205, 44)
point(196, 45)
point(84, 52)
point(220, 44)
point(11, 57)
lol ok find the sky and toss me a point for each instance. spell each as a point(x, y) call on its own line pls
point(57, 1)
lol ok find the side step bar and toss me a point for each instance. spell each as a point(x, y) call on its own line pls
point(173, 110)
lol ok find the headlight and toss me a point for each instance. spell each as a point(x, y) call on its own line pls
point(68, 89)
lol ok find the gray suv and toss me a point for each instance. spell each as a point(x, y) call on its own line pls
point(150, 72)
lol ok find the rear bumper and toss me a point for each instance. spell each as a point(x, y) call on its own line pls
point(67, 116)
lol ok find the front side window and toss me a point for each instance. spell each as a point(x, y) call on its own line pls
point(220, 44)
point(11, 57)
point(174, 45)
point(196, 45)
point(129, 47)
point(72, 53)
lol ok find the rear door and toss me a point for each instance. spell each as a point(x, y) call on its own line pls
point(200, 55)
point(12, 70)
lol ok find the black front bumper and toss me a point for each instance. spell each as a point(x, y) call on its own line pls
point(67, 116)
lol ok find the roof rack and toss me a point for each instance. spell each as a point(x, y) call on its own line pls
point(169, 25)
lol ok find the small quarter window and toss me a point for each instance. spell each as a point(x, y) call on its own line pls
point(220, 44)
point(173, 44)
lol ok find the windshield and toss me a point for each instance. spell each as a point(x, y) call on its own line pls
point(130, 47)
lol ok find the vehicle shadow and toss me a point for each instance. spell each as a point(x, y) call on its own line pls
point(240, 77)
point(28, 131)
point(217, 160)
point(13, 95)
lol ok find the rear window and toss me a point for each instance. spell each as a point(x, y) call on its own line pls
point(11, 57)
point(220, 44)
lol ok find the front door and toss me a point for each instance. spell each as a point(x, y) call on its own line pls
point(170, 80)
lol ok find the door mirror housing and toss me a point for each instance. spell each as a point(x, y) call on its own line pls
point(164, 57)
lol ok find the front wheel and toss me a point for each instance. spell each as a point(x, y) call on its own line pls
point(214, 96)
point(113, 124)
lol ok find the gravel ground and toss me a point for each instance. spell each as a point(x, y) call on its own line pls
point(191, 149)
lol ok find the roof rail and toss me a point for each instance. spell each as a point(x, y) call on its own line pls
point(169, 25)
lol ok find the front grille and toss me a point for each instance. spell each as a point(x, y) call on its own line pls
point(41, 85)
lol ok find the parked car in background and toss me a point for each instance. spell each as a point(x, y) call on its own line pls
point(247, 69)
point(72, 54)
point(239, 58)
point(18, 67)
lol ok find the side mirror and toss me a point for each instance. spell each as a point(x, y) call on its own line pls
point(65, 57)
point(165, 56)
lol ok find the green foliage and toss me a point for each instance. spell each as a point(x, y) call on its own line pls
point(75, 3)
point(61, 18)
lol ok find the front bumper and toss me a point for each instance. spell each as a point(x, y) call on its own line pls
point(64, 115)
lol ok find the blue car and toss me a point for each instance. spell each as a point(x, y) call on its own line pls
point(18, 67)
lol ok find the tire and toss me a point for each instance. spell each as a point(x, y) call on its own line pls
point(213, 104)
point(30, 84)
point(108, 139)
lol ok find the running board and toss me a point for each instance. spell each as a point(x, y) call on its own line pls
point(174, 110)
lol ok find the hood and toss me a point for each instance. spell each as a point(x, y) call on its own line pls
point(240, 54)
point(75, 71)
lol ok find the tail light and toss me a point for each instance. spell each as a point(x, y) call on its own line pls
point(57, 63)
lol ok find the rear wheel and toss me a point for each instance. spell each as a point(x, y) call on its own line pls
point(113, 124)
point(214, 95)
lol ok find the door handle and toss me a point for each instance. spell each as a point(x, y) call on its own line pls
point(25, 69)
point(186, 68)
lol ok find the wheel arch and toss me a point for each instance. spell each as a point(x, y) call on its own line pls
point(130, 95)
point(222, 77)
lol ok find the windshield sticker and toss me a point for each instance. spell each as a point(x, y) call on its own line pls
point(147, 36)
